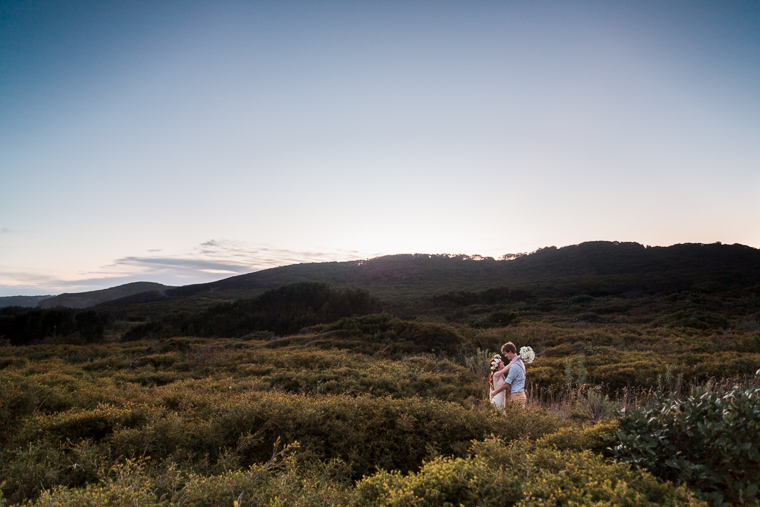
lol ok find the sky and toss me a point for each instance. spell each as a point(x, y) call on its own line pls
point(187, 141)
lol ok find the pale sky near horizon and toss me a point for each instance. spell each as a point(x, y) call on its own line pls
point(187, 141)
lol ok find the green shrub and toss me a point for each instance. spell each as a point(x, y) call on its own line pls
point(709, 441)
point(279, 482)
point(516, 474)
point(597, 438)
point(443, 481)
point(585, 478)
point(78, 424)
point(695, 319)
point(148, 331)
point(43, 465)
point(428, 337)
point(367, 432)
point(364, 324)
point(129, 487)
point(498, 318)
point(29, 470)
point(581, 299)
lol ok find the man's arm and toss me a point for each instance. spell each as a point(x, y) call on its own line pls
point(500, 389)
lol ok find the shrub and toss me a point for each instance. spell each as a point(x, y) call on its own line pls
point(29, 470)
point(279, 482)
point(597, 438)
point(368, 433)
point(587, 317)
point(148, 330)
point(128, 488)
point(43, 465)
point(709, 441)
point(515, 474)
point(584, 478)
point(498, 318)
point(443, 481)
point(428, 337)
point(77, 424)
point(364, 324)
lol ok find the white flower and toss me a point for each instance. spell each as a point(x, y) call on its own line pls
point(495, 362)
point(527, 355)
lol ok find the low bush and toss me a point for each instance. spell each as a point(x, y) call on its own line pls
point(78, 424)
point(519, 475)
point(498, 318)
point(584, 478)
point(366, 432)
point(443, 481)
point(597, 438)
point(709, 440)
point(363, 325)
point(128, 487)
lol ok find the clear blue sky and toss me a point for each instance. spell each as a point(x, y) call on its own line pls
point(187, 141)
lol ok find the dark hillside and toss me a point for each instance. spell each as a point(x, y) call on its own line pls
point(687, 263)
point(594, 268)
point(92, 298)
point(613, 258)
point(22, 301)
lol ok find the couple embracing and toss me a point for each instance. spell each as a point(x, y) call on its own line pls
point(508, 380)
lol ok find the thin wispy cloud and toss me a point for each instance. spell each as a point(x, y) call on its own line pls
point(32, 284)
point(228, 257)
point(209, 261)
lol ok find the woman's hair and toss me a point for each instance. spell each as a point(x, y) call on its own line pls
point(493, 370)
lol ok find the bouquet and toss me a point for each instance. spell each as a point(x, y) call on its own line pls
point(527, 355)
point(495, 362)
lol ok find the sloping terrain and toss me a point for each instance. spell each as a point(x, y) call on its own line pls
point(594, 268)
point(92, 298)
point(22, 301)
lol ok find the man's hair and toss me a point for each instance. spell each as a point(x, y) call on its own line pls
point(508, 347)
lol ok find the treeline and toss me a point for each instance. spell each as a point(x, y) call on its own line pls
point(24, 326)
point(284, 310)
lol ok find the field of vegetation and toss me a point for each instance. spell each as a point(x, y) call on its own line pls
point(320, 394)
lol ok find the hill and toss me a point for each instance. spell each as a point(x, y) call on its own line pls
point(22, 301)
point(593, 268)
point(92, 298)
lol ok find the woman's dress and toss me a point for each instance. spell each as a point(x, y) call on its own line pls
point(500, 400)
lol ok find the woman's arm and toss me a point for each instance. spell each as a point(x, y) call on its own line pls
point(500, 373)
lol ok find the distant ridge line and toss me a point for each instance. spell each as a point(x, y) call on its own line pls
point(93, 298)
point(621, 263)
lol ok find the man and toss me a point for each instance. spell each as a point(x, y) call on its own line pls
point(515, 384)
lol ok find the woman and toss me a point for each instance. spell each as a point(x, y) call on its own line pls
point(496, 379)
